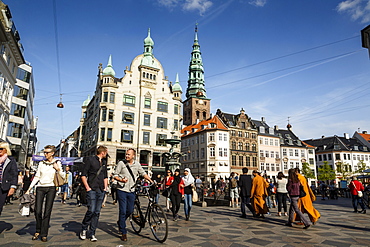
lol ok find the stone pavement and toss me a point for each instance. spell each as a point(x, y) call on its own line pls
point(210, 226)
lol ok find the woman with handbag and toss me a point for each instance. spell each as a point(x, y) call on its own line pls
point(294, 187)
point(167, 181)
point(46, 189)
point(188, 192)
point(177, 191)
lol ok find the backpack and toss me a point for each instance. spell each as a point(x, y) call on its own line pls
point(234, 183)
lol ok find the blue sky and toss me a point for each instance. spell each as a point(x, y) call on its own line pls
point(276, 59)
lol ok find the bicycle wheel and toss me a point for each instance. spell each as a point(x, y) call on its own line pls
point(158, 223)
point(136, 219)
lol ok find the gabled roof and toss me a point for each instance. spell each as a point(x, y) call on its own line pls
point(204, 125)
point(231, 120)
point(336, 143)
point(262, 125)
point(289, 139)
point(365, 136)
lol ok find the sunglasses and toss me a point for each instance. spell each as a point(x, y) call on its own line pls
point(2, 148)
point(47, 152)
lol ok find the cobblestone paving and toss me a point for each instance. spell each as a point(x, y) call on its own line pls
point(209, 226)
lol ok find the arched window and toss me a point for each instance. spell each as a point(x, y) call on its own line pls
point(154, 77)
point(247, 147)
point(254, 148)
point(197, 113)
point(151, 76)
point(233, 145)
point(204, 115)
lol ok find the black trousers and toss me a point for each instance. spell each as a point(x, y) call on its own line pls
point(176, 201)
point(43, 220)
point(281, 198)
point(3, 195)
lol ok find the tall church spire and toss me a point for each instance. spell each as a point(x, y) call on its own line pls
point(196, 72)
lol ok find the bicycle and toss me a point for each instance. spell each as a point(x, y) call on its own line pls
point(154, 214)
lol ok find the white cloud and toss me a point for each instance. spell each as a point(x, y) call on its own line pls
point(200, 5)
point(258, 3)
point(188, 5)
point(357, 9)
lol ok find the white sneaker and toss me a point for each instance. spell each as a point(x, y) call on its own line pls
point(93, 238)
point(83, 234)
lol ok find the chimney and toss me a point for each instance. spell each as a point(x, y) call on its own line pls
point(346, 135)
point(364, 132)
point(276, 127)
point(263, 119)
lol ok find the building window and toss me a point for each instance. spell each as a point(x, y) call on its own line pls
point(211, 137)
point(23, 75)
point(112, 97)
point(271, 142)
point(262, 166)
point(225, 152)
point(110, 115)
point(277, 167)
point(233, 160)
point(232, 133)
point(254, 148)
point(20, 92)
point(296, 153)
point(128, 117)
point(202, 153)
point(254, 161)
point(104, 114)
point(220, 152)
point(127, 136)
point(240, 134)
point(146, 137)
point(105, 96)
point(241, 159)
point(254, 136)
point(266, 141)
point(176, 124)
point(102, 134)
point(284, 152)
point(267, 154)
point(225, 137)
point(159, 141)
point(329, 157)
point(220, 136)
point(129, 100)
point(15, 130)
point(272, 154)
point(290, 152)
point(311, 161)
point(303, 153)
point(248, 161)
point(161, 123)
point(148, 103)
point(233, 145)
point(109, 135)
point(240, 146)
point(267, 167)
point(247, 147)
point(18, 110)
point(162, 106)
point(246, 134)
point(262, 153)
point(202, 138)
point(176, 109)
point(277, 155)
point(146, 120)
point(276, 142)
point(211, 152)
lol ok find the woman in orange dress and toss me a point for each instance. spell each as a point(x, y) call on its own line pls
point(258, 194)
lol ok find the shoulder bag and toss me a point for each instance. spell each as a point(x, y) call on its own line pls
point(359, 192)
point(58, 179)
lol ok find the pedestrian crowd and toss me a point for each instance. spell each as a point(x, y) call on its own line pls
point(90, 187)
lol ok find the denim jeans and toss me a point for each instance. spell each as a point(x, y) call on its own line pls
point(281, 198)
point(42, 221)
point(268, 201)
point(94, 201)
point(357, 200)
point(188, 203)
point(126, 202)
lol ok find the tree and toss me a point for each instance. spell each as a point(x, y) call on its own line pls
point(344, 169)
point(361, 167)
point(307, 172)
point(326, 173)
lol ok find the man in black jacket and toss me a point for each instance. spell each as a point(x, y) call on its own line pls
point(245, 184)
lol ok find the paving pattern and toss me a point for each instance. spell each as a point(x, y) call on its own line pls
point(208, 227)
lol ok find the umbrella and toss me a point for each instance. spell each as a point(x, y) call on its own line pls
point(367, 170)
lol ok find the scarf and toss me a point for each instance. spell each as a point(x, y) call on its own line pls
point(188, 179)
point(3, 158)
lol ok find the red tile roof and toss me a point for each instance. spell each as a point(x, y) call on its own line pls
point(308, 145)
point(216, 120)
point(365, 136)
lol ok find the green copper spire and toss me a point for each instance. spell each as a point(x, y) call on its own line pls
point(176, 86)
point(196, 87)
point(109, 69)
point(148, 59)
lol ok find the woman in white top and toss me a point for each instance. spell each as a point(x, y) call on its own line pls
point(281, 193)
point(45, 189)
point(188, 192)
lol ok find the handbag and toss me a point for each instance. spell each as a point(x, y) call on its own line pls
point(302, 193)
point(58, 179)
point(166, 192)
point(195, 195)
point(359, 192)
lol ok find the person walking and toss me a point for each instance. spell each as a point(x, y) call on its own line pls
point(126, 174)
point(357, 189)
point(45, 191)
point(293, 188)
point(188, 180)
point(198, 186)
point(305, 203)
point(27, 179)
point(8, 174)
point(167, 181)
point(245, 185)
point(234, 190)
point(259, 194)
point(281, 193)
point(158, 181)
point(177, 191)
point(95, 180)
point(113, 189)
point(66, 187)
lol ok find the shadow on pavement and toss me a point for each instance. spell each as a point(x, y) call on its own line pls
point(73, 226)
point(30, 228)
point(4, 226)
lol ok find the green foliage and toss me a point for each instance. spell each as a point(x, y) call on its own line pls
point(361, 167)
point(307, 172)
point(344, 169)
point(326, 173)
